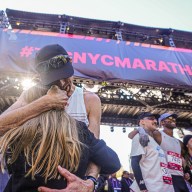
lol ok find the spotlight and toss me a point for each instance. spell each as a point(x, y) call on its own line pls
point(112, 129)
point(27, 83)
point(158, 41)
point(67, 28)
point(18, 23)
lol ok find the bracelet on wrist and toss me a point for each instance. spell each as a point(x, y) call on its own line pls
point(92, 179)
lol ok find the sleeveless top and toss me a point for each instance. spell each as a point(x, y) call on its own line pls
point(153, 166)
point(172, 149)
point(76, 107)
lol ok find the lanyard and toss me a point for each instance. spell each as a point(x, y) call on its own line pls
point(115, 184)
point(128, 182)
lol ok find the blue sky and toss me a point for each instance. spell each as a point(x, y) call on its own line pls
point(175, 14)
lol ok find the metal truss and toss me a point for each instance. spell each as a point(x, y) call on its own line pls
point(120, 104)
point(4, 22)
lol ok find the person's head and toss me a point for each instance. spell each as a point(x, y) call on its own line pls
point(187, 141)
point(168, 120)
point(131, 175)
point(48, 140)
point(54, 66)
point(125, 174)
point(113, 175)
point(148, 121)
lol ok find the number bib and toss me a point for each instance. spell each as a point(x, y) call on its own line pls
point(167, 179)
point(174, 161)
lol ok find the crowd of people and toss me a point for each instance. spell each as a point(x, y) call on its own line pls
point(157, 157)
point(49, 140)
point(110, 183)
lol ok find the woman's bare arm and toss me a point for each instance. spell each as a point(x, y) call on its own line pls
point(20, 111)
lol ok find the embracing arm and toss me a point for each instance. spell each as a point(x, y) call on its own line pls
point(137, 171)
point(157, 136)
point(93, 106)
point(74, 183)
point(20, 111)
point(143, 136)
point(133, 133)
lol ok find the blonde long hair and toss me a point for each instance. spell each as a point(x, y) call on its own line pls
point(48, 140)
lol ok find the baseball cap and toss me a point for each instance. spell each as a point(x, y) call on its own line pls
point(55, 59)
point(146, 114)
point(186, 139)
point(166, 115)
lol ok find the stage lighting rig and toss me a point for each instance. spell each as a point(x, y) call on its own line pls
point(4, 22)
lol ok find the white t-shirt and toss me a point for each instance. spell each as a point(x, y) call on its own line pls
point(172, 149)
point(153, 166)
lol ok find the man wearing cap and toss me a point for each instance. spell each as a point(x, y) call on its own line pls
point(149, 163)
point(54, 67)
point(173, 149)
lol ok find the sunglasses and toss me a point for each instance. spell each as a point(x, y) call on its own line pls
point(53, 63)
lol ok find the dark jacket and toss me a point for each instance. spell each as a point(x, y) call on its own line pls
point(96, 152)
point(102, 181)
point(125, 184)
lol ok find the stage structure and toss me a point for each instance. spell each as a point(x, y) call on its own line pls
point(131, 68)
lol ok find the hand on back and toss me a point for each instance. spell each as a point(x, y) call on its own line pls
point(74, 183)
